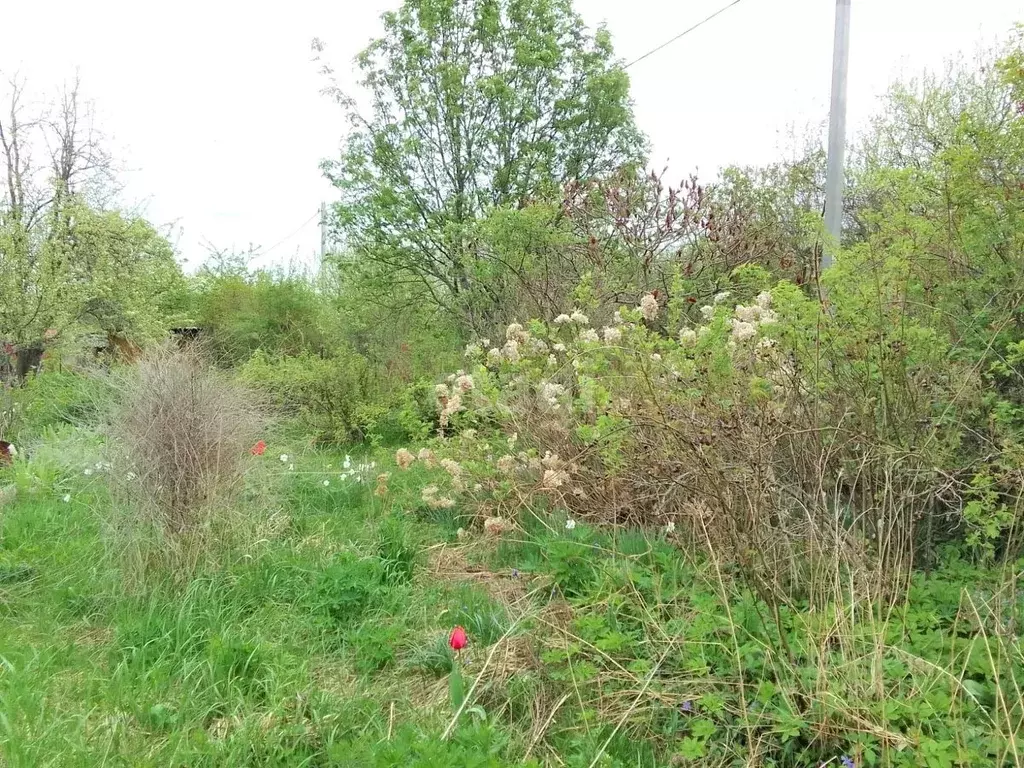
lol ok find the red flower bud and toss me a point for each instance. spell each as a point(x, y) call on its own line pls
point(259, 448)
point(458, 639)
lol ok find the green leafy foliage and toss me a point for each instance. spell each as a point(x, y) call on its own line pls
point(474, 104)
point(326, 394)
point(242, 312)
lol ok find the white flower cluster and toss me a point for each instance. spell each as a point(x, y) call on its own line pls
point(431, 499)
point(554, 478)
point(449, 400)
point(649, 307)
point(507, 464)
point(748, 319)
point(576, 317)
point(358, 472)
point(550, 392)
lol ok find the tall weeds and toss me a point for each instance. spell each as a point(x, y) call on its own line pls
point(180, 437)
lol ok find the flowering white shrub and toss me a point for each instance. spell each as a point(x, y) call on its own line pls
point(649, 307)
point(624, 414)
point(718, 423)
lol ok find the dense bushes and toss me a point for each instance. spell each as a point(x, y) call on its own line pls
point(705, 384)
point(242, 312)
point(328, 395)
point(53, 398)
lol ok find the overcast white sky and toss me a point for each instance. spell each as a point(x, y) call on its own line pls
point(215, 109)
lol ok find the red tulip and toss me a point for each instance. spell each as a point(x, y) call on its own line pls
point(259, 448)
point(458, 639)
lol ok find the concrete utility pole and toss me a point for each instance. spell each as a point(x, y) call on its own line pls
point(837, 132)
point(323, 231)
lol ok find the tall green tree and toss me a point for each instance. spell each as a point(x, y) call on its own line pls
point(474, 104)
point(68, 262)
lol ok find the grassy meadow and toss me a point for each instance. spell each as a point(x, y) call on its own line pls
point(314, 632)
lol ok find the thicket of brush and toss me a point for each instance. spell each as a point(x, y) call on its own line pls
point(180, 434)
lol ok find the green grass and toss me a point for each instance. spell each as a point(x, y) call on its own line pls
point(319, 638)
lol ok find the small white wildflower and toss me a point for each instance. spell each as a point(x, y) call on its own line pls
point(464, 383)
point(589, 335)
point(570, 524)
point(461, 534)
point(88, 471)
point(552, 361)
point(494, 355)
point(472, 350)
point(513, 331)
point(12, 451)
point(99, 466)
point(649, 307)
point(670, 527)
point(555, 478)
point(579, 318)
point(551, 461)
point(656, 357)
point(536, 346)
point(506, 464)
point(768, 316)
point(284, 458)
point(291, 467)
point(347, 464)
point(511, 351)
point(749, 314)
point(131, 477)
point(67, 498)
point(452, 467)
point(550, 392)
point(687, 336)
point(559, 347)
point(707, 311)
point(742, 331)
point(563, 319)
point(477, 487)
point(326, 483)
point(764, 300)
point(450, 407)
point(612, 335)
point(721, 296)
point(432, 500)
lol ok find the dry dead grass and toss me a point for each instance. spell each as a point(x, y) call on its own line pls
point(181, 437)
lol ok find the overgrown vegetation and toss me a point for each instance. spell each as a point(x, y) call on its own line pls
point(691, 502)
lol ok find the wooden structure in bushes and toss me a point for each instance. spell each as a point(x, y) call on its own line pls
point(19, 360)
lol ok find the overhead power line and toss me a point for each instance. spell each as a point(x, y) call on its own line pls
point(684, 33)
point(286, 238)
